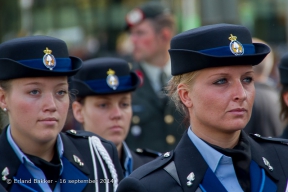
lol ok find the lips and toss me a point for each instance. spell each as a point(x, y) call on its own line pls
point(49, 119)
point(238, 110)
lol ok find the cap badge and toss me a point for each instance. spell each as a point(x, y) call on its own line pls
point(134, 16)
point(235, 46)
point(48, 59)
point(112, 79)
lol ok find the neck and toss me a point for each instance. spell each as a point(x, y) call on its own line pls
point(42, 150)
point(221, 139)
point(160, 60)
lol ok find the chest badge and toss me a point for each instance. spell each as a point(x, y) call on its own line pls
point(266, 162)
point(48, 59)
point(112, 79)
point(5, 173)
point(190, 178)
point(235, 46)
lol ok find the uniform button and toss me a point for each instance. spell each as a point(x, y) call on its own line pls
point(257, 135)
point(136, 130)
point(73, 131)
point(168, 119)
point(135, 119)
point(170, 139)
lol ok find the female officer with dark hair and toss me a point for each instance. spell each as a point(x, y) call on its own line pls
point(213, 85)
point(103, 106)
point(35, 155)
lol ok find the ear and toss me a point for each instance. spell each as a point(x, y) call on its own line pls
point(3, 98)
point(166, 34)
point(285, 97)
point(77, 111)
point(184, 95)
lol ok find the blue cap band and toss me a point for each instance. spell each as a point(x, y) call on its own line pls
point(100, 85)
point(62, 64)
point(225, 50)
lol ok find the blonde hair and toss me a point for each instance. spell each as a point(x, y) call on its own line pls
point(172, 90)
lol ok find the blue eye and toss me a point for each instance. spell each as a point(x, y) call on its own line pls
point(34, 92)
point(248, 79)
point(62, 92)
point(220, 81)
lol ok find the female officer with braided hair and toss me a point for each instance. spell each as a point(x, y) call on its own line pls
point(213, 86)
point(35, 154)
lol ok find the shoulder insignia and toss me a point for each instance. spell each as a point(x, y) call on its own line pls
point(148, 152)
point(270, 139)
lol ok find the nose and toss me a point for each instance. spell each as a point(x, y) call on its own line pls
point(116, 113)
point(49, 102)
point(240, 93)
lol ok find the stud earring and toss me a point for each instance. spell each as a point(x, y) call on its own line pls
point(4, 109)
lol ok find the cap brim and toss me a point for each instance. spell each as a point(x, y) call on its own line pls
point(193, 60)
point(11, 69)
point(84, 90)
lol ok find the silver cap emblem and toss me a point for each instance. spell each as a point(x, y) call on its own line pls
point(48, 59)
point(235, 46)
point(112, 79)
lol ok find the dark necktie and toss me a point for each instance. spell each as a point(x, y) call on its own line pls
point(241, 157)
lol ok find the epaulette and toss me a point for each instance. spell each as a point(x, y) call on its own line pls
point(270, 139)
point(148, 152)
point(79, 133)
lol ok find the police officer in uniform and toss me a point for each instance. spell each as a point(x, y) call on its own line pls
point(35, 154)
point(103, 106)
point(283, 71)
point(213, 84)
point(156, 124)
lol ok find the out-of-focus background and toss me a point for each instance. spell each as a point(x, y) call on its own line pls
point(94, 28)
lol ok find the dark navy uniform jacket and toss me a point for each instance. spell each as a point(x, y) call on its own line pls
point(158, 122)
point(169, 172)
point(75, 143)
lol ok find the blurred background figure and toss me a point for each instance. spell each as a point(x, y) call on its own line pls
point(265, 118)
point(155, 123)
point(283, 70)
point(103, 106)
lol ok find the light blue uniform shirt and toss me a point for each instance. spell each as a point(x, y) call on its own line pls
point(128, 162)
point(221, 165)
point(34, 170)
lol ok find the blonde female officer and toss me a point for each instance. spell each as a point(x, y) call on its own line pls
point(35, 155)
point(213, 85)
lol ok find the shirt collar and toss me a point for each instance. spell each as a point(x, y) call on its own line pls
point(153, 73)
point(210, 155)
point(22, 157)
point(128, 161)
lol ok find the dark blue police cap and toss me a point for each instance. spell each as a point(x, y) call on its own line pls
point(104, 76)
point(36, 56)
point(214, 46)
point(283, 69)
point(147, 10)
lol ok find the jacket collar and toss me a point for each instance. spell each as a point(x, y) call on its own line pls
point(187, 158)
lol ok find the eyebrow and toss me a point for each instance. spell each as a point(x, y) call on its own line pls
point(37, 83)
point(229, 74)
